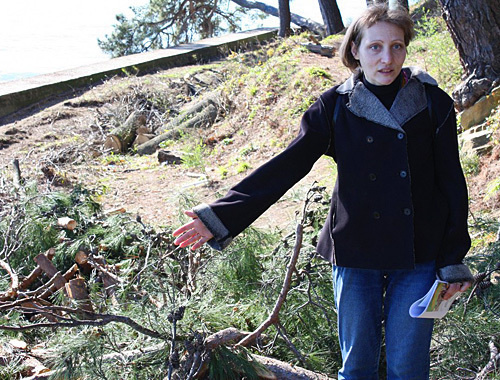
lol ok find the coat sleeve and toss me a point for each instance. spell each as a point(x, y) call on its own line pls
point(450, 179)
point(246, 201)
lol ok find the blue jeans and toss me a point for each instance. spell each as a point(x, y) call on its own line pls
point(368, 299)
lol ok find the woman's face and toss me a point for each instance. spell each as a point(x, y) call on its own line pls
point(381, 53)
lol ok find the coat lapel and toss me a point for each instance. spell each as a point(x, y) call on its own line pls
point(410, 101)
point(363, 103)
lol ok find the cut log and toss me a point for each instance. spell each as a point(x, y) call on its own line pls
point(142, 138)
point(81, 259)
point(324, 50)
point(58, 282)
point(57, 279)
point(203, 118)
point(67, 223)
point(191, 111)
point(122, 136)
point(285, 371)
point(46, 265)
point(77, 290)
point(32, 277)
point(36, 273)
point(71, 272)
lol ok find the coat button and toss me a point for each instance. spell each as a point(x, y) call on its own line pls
point(369, 139)
point(401, 136)
point(376, 215)
point(403, 174)
point(372, 177)
point(407, 211)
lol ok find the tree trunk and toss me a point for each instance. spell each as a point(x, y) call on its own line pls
point(475, 29)
point(331, 16)
point(392, 3)
point(205, 117)
point(285, 18)
point(395, 3)
point(273, 11)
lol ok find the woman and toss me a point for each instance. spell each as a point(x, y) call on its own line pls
point(398, 215)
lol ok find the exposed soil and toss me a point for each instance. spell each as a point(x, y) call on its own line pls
point(60, 144)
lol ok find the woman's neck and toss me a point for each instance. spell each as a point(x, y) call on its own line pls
point(386, 94)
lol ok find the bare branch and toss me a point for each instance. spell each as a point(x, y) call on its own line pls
point(14, 280)
point(492, 364)
point(92, 319)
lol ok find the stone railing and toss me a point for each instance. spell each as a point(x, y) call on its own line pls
point(22, 93)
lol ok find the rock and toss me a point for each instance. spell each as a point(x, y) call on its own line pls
point(167, 157)
point(480, 110)
point(476, 141)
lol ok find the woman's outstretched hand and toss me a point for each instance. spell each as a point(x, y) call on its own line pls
point(456, 287)
point(193, 233)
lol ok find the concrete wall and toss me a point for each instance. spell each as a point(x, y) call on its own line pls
point(22, 93)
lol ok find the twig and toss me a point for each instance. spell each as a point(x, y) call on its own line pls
point(282, 331)
point(479, 278)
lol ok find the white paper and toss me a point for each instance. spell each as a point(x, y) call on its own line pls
point(432, 305)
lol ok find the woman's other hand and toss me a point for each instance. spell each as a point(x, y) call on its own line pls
point(193, 233)
point(456, 287)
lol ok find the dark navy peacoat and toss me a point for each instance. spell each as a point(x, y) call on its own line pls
point(400, 196)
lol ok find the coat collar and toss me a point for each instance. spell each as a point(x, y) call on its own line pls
point(410, 100)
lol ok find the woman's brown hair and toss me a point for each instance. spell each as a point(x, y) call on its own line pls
point(376, 13)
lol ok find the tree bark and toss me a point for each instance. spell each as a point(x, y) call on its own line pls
point(475, 29)
point(285, 18)
point(402, 3)
point(122, 136)
point(331, 16)
point(205, 117)
point(273, 11)
point(392, 3)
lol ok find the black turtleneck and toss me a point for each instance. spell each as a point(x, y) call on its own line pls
point(386, 94)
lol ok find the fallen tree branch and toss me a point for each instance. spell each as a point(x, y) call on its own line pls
point(92, 319)
point(492, 364)
point(285, 371)
point(193, 118)
point(14, 280)
point(273, 11)
point(273, 318)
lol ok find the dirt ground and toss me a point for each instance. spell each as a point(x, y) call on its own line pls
point(60, 144)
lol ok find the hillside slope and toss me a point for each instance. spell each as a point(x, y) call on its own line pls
point(264, 94)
